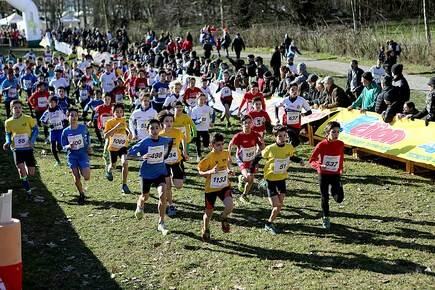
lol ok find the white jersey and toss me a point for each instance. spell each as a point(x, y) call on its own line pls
point(139, 120)
point(107, 82)
point(293, 110)
point(57, 83)
point(377, 73)
point(171, 100)
point(201, 115)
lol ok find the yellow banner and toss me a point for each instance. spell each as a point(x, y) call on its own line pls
point(411, 140)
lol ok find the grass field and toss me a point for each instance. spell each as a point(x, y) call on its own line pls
point(382, 235)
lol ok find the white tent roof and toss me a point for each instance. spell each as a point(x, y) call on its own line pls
point(13, 18)
point(69, 19)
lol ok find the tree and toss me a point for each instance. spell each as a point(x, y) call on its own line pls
point(426, 24)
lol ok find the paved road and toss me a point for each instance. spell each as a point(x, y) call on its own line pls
point(416, 82)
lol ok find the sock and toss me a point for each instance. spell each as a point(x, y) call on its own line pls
point(25, 183)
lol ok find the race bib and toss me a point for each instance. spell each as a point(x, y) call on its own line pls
point(173, 156)
point(155, 154)
point(21, 141)
point(12, 93)
point(84, 95)
point(226, 92)
point(331, 162)
point(76, 142)
point(219, 179)
point(119, 140)
point(280, 165)
point(57, 124)
point(119, 98)
point(248, 154)
point(203, 119)
point(28, 84)
point(191, 102)
point(293, 118)
point(42, 102)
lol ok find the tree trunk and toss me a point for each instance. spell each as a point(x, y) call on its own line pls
point(221, 6)
point(85, 20)
point(353, 4)
point(426, 24)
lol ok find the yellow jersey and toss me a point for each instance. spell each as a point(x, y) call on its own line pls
point(218, 180)
point(277, 161)
point(21, 131)
point(177, 137)
point(185, 124)
point(119, 138)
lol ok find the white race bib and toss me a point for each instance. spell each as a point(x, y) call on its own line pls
point(28, 84)
point(21, 141)
point(12, 93)
point(331, 162)
point(293, 118)
point(248, 154)
point(173, 156)
point(219, 179)
point(155, 154)
point(191, 102)
point(119, 140)
point(280, 165)
point(258, 121)
point(57, 124)
point(76, 142)
point(42, 102)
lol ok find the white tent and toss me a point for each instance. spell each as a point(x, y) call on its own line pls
point(69, 20)
point(13, 18)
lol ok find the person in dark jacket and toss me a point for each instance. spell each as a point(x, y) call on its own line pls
point(275, 62)
point(388, 91)
point(251, 67)
point(400, 82)
point(390, 60)
point(428, 113)
point(354, 86)
point(226, 43)
point(238, 45)
point(335, 96)
point(311, 94)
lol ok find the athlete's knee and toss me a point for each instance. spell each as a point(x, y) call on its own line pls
point(178, 183)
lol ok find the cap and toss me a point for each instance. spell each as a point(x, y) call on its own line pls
point(312, 78)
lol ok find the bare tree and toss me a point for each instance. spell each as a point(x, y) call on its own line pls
point(426, 24)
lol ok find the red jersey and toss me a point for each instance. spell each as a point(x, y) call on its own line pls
point(259, 119)
point(39, 101)
point(246, 145)
point(330, 154)
point(129, 83)
point(171, 47)
point(104, 113)
point(117, 94)
point(140, 83)
point(248, 98)
point(187, 45)
point(261, 84)
point(190, 96)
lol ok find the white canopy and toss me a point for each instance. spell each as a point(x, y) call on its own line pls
point(69, 19)
point(13, 18)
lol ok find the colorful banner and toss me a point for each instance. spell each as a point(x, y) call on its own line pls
point(410, 140)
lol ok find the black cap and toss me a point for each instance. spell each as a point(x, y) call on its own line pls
point(312, 78)
point(397, 69)
point(367, 76)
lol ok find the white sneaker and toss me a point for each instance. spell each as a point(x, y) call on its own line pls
point(162, 228)
point(139, 212)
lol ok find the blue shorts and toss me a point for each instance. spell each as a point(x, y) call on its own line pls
point(56, 135)
point(78, 161)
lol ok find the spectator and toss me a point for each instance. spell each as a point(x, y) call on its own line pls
point(238, 45)
point(409, 110)
point(335, 96)
point(353, 83)
point(367, 99)
point(428, 113)
point(377, 72)
point(400, 82)
point(275, 62)
point(388, 92)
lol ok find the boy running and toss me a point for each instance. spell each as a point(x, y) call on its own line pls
point(327, 158)
point(260, 118)
point(153, 171)
point(139, 118)
point(215, 167)
point(21, 132)
point(77, 142)
point(201, 116)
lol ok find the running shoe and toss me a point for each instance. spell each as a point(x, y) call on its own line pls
point(326, 223)
point(205, 235)
point(109, 175)
point(139, 212)
point(57, 164)
point(225, 225)
point(81, 199)
point(271, 228)
point(162, 228)
point(171, 211)
point(125, 189)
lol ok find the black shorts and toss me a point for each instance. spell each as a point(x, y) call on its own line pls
point(210, 197)
point(276, 187)
point(175, 170)
point(115, 154)
point(146, 183)
point(24, 156)
point(204, 136)
point(227, 101)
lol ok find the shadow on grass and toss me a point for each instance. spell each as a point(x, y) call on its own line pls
point(54, 256)
point(320, 260)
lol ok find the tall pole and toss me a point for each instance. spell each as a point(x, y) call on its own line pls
point(222, 13)
point(426, 24)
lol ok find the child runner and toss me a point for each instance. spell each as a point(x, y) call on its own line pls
point(248, 98)
point(183, 122)
point(190, 94)
point(83, 95)
point(139, 118)
point(55, 119)
point(154, 150)
point(39, 102)
point(175, 87)
point(327, 158)
point(175, 158)
point(215, 167)
point(293, 104)
point(260, 118)
point(246, 143)
point(77, 142)
point(21, 132)
point(160, 90)
point(104, 113)
point(277, 157)
point(118, 134)
point(93, 104)
point(201, 116)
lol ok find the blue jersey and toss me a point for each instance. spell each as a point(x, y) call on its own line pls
point(162, 90)
point(79, 140)
point(63, 104)
point(12, 89)
point(92, 105)
point(27, 81)
point(155, 165)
